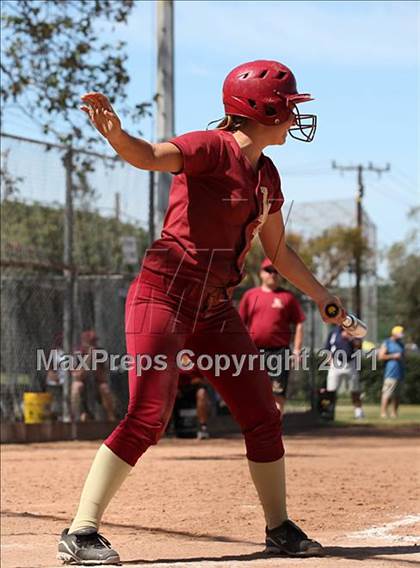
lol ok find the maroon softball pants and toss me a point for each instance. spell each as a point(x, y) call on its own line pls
point(165, 316)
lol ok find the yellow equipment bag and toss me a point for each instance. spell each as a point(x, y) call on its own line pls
point(36, 407)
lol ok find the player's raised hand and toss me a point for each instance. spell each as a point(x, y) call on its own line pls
point(101, 114)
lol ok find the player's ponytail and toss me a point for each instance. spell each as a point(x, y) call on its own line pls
point(231, 123)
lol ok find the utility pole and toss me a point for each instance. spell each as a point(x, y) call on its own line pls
point(312, 362)
point(69, 280)
point(151, 207)
point(117, 206)
point(165, 124)
point(117, 232)
point(359, 221)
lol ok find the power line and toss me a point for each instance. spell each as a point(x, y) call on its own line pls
point(384, 191)
point(305, 173)
point(393, 190)
point(411, 181)
point(404, 185)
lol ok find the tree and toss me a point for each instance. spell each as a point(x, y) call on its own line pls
point(9, 183)
point(334, 250)
point(32, 236)
point(385, 309)
point(404, 269)
point(54, 51)
point(327, 255)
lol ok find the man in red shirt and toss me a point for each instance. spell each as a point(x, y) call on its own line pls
point(270, 313)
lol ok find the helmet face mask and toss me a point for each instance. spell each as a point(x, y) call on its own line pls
point(305, 126)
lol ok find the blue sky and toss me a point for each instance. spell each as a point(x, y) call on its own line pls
point(359, 60)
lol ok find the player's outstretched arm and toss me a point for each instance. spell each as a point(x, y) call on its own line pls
point(163, 157)
point(292, 267)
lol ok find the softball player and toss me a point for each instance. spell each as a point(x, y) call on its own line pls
point(224, 192)
point(342, 347)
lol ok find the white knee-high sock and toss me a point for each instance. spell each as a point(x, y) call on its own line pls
point(105, 477)
point(270, 482)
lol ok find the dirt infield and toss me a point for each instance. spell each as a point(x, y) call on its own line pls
point(190, 504)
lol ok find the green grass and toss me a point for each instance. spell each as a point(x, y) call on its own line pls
point(408, 414)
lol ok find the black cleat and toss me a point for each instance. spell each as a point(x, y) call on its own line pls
point(86, 547)
point(290, 540)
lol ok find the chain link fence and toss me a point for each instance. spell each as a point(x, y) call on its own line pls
point(48, 299)
point(32, 319)
point(309, 220)
point(99, 211)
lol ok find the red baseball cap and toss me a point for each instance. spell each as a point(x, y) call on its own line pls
point(267, 263)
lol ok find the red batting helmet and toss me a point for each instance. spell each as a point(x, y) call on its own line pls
point(266, 91)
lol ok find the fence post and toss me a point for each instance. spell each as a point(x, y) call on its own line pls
point(312, 362)
point(151, 207)
point(69, 281)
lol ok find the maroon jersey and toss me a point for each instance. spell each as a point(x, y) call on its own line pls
point(217, 203)
point(269, 316)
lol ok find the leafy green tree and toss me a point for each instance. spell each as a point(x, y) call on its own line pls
point(53, 52)
point(9, 183)
point(32, 236)
point(386, 309)
point(334, 250)
point(404, 269)
point(328, 254)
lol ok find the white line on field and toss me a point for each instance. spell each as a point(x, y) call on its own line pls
point(384, 531)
